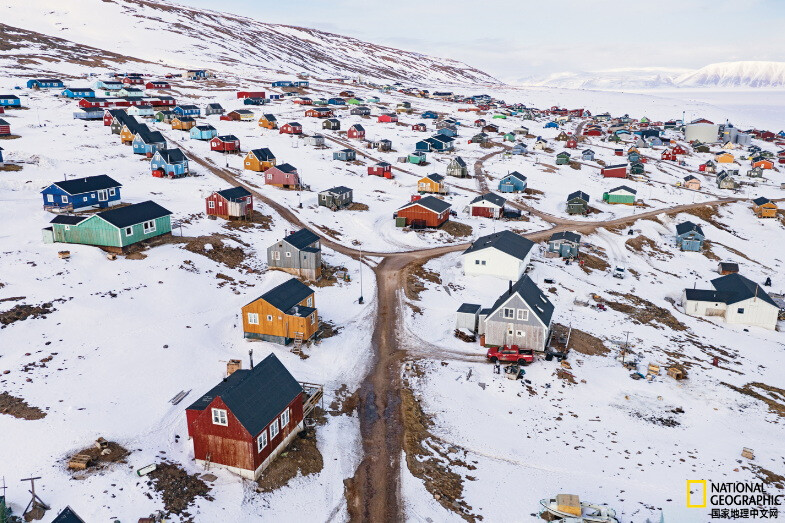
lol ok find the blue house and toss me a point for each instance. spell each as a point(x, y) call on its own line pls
point(203, 132)
point(187, 110)
point(336, 101)
point(169, 162)
point(655, 141)
point(45, 83)
point(519, 148)
point(89, 113)
point(429, 114)
point(148, 142)
point(551, 125)
point(587, 155)
point(446, 131)
point(71, 195)
point(689, 236)
point(435, 143)
point(282, 83)
point(302, 83)
point(10, 100)
point(78, 92)
point(346, 155)
point(564, 244)
point(274, 96)
point(513, 182)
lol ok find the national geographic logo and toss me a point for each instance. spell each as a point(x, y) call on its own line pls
point(734, 500)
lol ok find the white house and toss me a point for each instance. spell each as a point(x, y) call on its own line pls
point(736, 299)
point(488, 205)
point(503, 255)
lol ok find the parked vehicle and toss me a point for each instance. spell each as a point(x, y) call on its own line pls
point(619, 272)
point(511, 354)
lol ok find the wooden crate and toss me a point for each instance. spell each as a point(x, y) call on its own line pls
point(569, 504)
point(79, 462)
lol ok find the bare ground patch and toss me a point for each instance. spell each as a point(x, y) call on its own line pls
point(18, 408)
point(101, 456)
point(301, 458)
point(645, 244)
point(416, 276)
point(585, 343)
point(593, 262)
point(710, 214)
point(772, 396)
point(457, 229)
point(256, 219)
point(357, 206)
point(177, 488)
point(22, 312)
point(644, 312)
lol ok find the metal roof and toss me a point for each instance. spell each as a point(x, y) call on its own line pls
point(235, 193)
point(172, 155)
point(505, 241)
point(338, 190)
point(263, 154)
point(578, 194)
point(68, 516)
point(301, 239)
point(490, 197)
point(740, 289)
point(286, 295)
point(685, 227)
point(67, 219)
point(87, 184)
point(531, 294)
point(567, 236)
point(133, 214)
point(469, 308)
point(429, 202)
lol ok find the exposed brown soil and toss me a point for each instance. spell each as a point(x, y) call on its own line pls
point(593, 262)
point(708, 251)
point(18, 408)
point(11, 167)
point(768, 477)
point(9, 137)
point(301, 457)
point(457, 229)
point(356, 206)
point(232, 257)
point(585, 343)
point(117, 453)
point(257, 219)
point(772, 396)
point(709, 214)
point(575, 165)
point(566, 375)
point(328, 329)
point(343, 403)
point(643, 244)
point(645, 312)
point(22, 312)
point(416, 275)
point(332, 233)
point(178, 489)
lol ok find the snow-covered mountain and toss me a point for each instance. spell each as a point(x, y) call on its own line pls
point(186, 37)
point(725, 74)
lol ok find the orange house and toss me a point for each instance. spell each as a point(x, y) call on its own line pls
point(764, 208)
point(259, 160)
point(127, 135)
point(282, 315)
point(764, 164)
point(725, 158)
point(433, 183)
point(268, 121)
point(692, 183)
point(183, 123)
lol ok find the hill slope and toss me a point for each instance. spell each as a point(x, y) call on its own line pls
point(180, 36)
point(736, 74)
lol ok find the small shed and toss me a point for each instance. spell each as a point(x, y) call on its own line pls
point(614, 171)
point(317, 140)
point(382, 169)
point(727, 268)
point(563, 158)
point(468, 317)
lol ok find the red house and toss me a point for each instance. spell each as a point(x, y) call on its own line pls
point(572, 143)
point(245, 421)
point(614, 171)
point(419, 127)
point(383, 169)
point(157, 85)
point(319, 112)
point(5, 128)
point(89, 103)
point(2, 109)
point(284, 175)
point(668, 154)
point(291, 128)
point(488, 205)
point(133, 80)
point(387, 118)
point(356, 131)
point(618, 152)
point(679, 150)
point(250, 94)
point(428, 211)
point(236, 202)
point(227, 143)
point(592, 131)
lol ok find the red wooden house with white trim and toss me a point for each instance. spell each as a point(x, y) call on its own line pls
point(427, 211)
point(382, 169)
point(419, 127)
point(572, 143)
point(291, 128)
point(356, 131)
point(387, 118)
point(5, 128)
point(319, 112)
point(679, 150)
point(669, 155)
point(284, 175)
point(133, 80)
point(614, 171)
point(157, 84)
point(250, 94)
point(236, 202)
point(227, 143)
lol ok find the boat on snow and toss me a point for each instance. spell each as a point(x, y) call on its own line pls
point(567, 508)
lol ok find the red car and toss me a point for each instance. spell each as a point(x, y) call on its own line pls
point(511, 354)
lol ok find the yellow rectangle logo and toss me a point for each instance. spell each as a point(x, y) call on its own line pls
point(700, 486)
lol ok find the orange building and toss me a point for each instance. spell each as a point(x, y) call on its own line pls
point(282, 315)
point(259, 160)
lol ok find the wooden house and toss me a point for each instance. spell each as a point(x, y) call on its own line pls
point(203, 132)
point(130, 92)
point(356, 131)
point(691, 182)
point(239, 115)
point(433, 183)
point(480, 122)
point(291, 128)
point(128, 130)
point(420, 127)
point(587, 155)
point(336, 198)
point(764, 208)
point(256, 101)
point(620, 195)
point(726, 180)
point(503, 255)
point(458, 168)
point(319, 112)
point(490, 128)
point(360, 110)
point(577, 203)
point(345, 155)
point(259, 160)
point(268, 121)
point(227, 143)
point(724, 158)
point(382, 169)
point(669, 155)
point(426, 211)
point(170, 163)
point(387, 118)
point(213, 108)
point(10, 100)
point(284, 176)
point(299, 253)
point(236, 202)
point(438, 143)
point(148, 142)
point(479, 138)
point(183, 123)
point(2, 162)
point(755, 172)
point(250, 94)
point(45, 83)
point(164, 115)
point(763, 164)
point(157, 84)
point(637, 168)
point(488, 205)
point(331, 124)
point(317, 140)
point(67, 515)
point(77, 92)
point(563, 244)
point(512, 183)
point(87, 114)
point(82, 193)
point(249, 418)
point(736, 299)
point(727, 268)
point(563, 158)
point(708, 167)
point(187, 110)
point(689, 236)
point(284, 314)
point(429, 115)
point(336, 101)
point(614, 171)
point(113, 230)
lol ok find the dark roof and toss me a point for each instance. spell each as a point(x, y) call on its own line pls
point(205, 127)
point(148, 136)
point(761, 200)
point(382, 164)
point(133, 214)
point(286, 168)
point(740, 288)
point(431, 203)
point(301, 239)
point(566, 235)
point(228, 138)
point(87, 184)
point(515, 174)
point(358, 127)
point(706, 295)
point(214, 106)
point(689, 177)
point(235, 193)
point(623, 187)
point(617, 166)
point(469, 308)
point(189, 107)
point(263, 154)
point(68, 516)
point(287, 295)
point(685, 227)
point(460, 161)
point(438, 178)
point(506, 241)
point(339, 190)
point(185, 119)
point(172, 155)
point(66, 219)
point(270, 117)
point(294, 124)
point(490, 197)
point(255, 396)
point(531, 294)
point(578, 194)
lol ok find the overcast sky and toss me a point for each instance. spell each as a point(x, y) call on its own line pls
point(515, 39)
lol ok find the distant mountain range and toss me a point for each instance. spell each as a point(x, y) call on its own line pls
point(724, 74)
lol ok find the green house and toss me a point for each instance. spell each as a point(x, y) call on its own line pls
point(563, 159)
point(500, 116)
point(621, 194)
point(416, 158)
point(509, 137)
point(636, 168)
point(115, 229)
point(354, 101)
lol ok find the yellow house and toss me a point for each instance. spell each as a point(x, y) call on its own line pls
point(724, 158)
point(283, 314)
point(433, 183)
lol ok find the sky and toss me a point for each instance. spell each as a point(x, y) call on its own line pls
point(523, 39)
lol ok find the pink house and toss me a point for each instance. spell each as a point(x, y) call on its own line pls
point(284, 176)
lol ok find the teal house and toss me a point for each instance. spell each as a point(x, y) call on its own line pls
point(113, 230)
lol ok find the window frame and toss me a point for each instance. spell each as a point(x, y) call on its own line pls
point(252, 318)
point(220, 417)
point(274, 429)
point(522, 315)
point(261, 441)
point(63, 199)
point(129, 231)
point(511, 315)
point(285, 414)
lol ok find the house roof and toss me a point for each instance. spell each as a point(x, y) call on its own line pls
point(228, 138)
point(357, 127)
point(689, 178)
point(255, 396)
point(569, 236)
point(235, 193)
point(617, 166)
point(740, 288)
point(188, 107)
point(490, 197)
point(469, 308)
point(87, 184)
point(301, 239)
point(505, 241)
point(264, 154)
point(133, 214)
point(287, 295)
point(67, 516)
point(460, 161)
point(578, 194)
point(293, 124)
point(729, 266)
point(286, 168)
point(66, 219)
point(270, 117)
point(382, 164)
point(623, 188)
point(438, 178)
point(515, 174)
point(531, 294)
point(761, 200)
point(205, 127)
point(688, 226)
point(339, 190)
point(429, 202)
point(172, 155)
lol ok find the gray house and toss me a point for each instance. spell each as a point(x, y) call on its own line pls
point(300, 254)
point(577, 203)
point(565, 244)
point(360, 110)
point(587, 155)
point(336, 197)
point(213, 108)
point(317, 140)
point(725, 180)
point(458, 168)
point(346, 155)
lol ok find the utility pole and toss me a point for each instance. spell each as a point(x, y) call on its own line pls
point(626, 347)
point(360, 301)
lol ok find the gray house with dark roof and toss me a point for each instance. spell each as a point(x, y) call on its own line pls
point(735, 298)
point(299, 253)
point(564, 244)
point(336, 197)
point(502, 254)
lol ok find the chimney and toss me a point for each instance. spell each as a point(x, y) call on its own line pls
point(509, 289)
point(250, 356)
point(233, 365)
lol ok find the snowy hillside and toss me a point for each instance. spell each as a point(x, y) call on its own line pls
point(736, 74)
point(180, 36)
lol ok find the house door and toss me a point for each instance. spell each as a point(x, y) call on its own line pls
point(103, 195)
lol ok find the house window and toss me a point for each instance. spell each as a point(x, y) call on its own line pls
point(277, 255)
point(219, 417)
point(269, 176)
point(288, 254)
point(64, 199)
point(247, 163)
point(483, 262)
point(261, 441)
point(253, 318)
point(211, 204)
point(274, 428)
point(92, 195)
point(476, 262)
point(509, 313)
point(740, 310)
point(313, 318)
point(523, 314)
point(149, 226)
point(129, 231)
point(50, 198)
point(509, 329)
point(519, 334)
point(269, 317)
point(67, 227)
point(310, 301)
point(285, 418)
point(84, 198)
